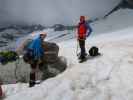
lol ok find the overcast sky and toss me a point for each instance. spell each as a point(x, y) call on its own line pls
point(49, 12)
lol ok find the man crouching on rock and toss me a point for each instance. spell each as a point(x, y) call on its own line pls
point(35, 53)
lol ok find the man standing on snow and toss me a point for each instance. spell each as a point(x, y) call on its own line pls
point(83, 31)
point(34, 55)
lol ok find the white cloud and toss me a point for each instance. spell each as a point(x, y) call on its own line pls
point(50, 12)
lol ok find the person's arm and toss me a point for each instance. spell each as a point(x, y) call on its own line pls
point(76, 32)
point(21, 46)
point(89, 30)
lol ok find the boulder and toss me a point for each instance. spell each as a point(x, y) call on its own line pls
point(51, 52)
point(53, 69)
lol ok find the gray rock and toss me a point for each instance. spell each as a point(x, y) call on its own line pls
point(58, 27)
point(53, 69)
point(8, 36)
point(51, 52)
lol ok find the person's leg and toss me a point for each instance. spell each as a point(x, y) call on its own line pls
point(82, 47)
point(32, 79)
point(1, 92)
point(33, 74)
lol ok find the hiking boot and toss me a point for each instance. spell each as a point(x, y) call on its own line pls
point(83, 56)
point(32, 83)
point(32, 80)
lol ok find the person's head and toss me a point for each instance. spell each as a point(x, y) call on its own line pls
point(82, 18)
point(43, 35)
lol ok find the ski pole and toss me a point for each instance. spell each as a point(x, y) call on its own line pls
point(77, 48)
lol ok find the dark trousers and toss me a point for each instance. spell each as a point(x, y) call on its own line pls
point(33, 74)
point(82, 48)
point(34, 66)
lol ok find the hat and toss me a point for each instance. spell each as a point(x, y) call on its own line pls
point(82, 17)
point(43, 33)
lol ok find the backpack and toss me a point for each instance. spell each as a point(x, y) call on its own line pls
point(28, 56)
point(94, 51)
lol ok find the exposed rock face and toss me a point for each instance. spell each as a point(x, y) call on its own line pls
point(58, 27)
point(123, 4)
point(11, 33)
point(127, 4)
point(130, 2)
point(8, 36)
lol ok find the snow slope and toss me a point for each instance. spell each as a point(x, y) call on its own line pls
point(107, 77)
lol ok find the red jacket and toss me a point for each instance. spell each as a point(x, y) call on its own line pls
point(82, 30)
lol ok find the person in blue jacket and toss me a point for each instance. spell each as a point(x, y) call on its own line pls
point(36, 51)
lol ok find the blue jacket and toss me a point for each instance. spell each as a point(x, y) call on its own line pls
point(90, 29)
point(36, 47)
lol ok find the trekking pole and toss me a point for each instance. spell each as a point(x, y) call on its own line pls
point(17, 66)
point(77, 42)
point(77, 48)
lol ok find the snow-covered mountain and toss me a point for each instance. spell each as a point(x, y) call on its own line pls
point(107, 77)
point(10, 34)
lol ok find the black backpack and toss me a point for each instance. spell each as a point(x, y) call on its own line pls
point(94, 51)
point(28, 55)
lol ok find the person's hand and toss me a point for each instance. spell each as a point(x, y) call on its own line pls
point(87, 35)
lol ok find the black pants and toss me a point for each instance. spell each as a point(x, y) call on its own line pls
point(32, 73)
point(34, 65)
point(82, 48)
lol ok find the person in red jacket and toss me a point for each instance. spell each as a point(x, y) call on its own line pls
point(82, 33)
